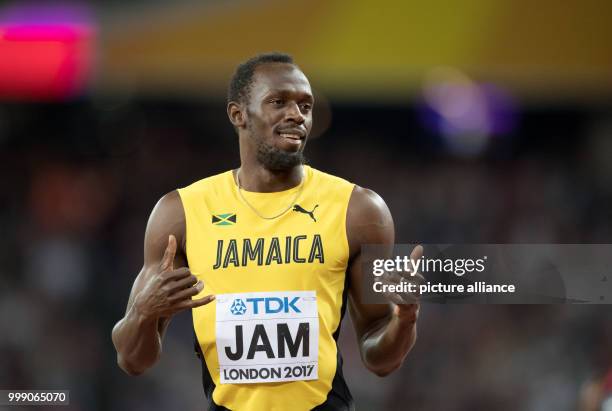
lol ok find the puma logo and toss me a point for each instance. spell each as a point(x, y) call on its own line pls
point(300, 209)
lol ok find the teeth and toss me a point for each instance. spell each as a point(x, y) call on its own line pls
point(291, 136)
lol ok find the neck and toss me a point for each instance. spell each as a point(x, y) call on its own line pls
point(256, 178)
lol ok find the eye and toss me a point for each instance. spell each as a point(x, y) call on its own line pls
point(277, 102)
point(306, 106)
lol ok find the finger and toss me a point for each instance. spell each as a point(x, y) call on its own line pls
point(400, 278)
point(419, 279)
point(175, 275)
point(167, 263)
point(404, 297)
point(408, 307)
point(201, 301)
point(187, 292)
point(185, 305)
point(389, 280)
point(408, 311)
point(394, 298)
point(392, 278)
point(417, 252)
point(181, 281)
point(410, 298)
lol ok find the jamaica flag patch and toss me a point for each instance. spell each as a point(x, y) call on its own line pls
point(224, 219)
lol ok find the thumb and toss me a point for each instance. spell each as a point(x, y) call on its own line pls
point(168, 258)
point(417, 252)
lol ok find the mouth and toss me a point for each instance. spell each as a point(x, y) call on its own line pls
point(292, 136)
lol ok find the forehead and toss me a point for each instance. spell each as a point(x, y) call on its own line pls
point(279, 77)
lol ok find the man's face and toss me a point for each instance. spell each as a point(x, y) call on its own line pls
point(279, 115)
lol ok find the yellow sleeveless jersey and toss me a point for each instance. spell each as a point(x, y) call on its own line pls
point(268, 341)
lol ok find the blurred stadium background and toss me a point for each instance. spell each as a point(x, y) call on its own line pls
point(480, 121)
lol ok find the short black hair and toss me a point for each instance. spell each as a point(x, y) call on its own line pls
point(240, 84)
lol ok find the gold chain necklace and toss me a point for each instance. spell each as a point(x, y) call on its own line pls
point(297, 194)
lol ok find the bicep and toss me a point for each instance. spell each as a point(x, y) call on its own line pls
point(369, 221)
point(167, 218)
point(365, 317)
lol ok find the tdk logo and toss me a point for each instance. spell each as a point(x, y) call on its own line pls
point(238, 307)
point(273, 305)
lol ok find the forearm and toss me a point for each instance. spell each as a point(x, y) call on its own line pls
point(137, 341)
point(383, 349)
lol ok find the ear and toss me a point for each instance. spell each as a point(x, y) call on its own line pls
point(236, 114)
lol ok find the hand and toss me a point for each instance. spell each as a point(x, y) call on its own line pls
point(406, 304)
point(169, 291)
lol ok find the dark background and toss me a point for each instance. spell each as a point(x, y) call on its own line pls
point(79, 182)
point(489, 122)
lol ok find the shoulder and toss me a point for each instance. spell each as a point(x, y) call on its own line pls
point(208, 184)
point(333, 189)
point(368, 219)
point(166, 218)
point(365, 204)
point(169, 203)
point(167, 213)
point(329, 182)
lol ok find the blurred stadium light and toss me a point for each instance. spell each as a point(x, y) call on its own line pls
point(541, 51)
point(81, 175)
point(46, 50)
point(466, 114)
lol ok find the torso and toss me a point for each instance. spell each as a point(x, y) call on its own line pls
point(276, 282)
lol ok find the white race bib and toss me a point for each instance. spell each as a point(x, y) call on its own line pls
point(267, 336)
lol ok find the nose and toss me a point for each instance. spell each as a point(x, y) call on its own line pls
point(293, 113)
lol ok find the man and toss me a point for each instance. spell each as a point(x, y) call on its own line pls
point(278, 244)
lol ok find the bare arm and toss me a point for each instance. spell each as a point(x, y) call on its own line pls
point(385, 333)
point(159, 290)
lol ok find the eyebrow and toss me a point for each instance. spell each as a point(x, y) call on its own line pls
point(305, 95)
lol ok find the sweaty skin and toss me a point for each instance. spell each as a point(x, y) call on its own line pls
point(385, 333)
point(276, 119)
point(163, 288)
